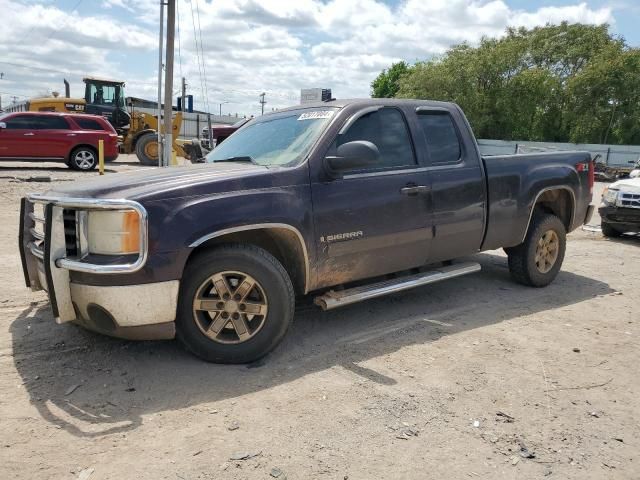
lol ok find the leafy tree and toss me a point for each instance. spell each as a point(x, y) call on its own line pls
point(567, 82)
point(386, 84)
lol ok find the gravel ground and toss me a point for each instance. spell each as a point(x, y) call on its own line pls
point(474, 377)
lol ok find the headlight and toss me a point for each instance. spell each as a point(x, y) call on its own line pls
point(610, 195)
point(113, 232)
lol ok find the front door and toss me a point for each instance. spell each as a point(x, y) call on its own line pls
point(375, 221)
point(16, 140)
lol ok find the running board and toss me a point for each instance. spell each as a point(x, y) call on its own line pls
point(333, 299)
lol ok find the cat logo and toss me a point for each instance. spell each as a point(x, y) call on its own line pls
point(340, 237)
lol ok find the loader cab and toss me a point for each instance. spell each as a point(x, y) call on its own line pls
point(106, 98)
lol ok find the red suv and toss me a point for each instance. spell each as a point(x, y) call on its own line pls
point(72, 138)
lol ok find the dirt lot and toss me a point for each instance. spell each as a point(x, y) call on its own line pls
point(475, 377)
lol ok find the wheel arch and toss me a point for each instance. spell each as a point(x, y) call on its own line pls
point(558, 200)
point(281, 240)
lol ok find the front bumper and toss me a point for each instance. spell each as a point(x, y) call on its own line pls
point(144, 311)
point(624, 219)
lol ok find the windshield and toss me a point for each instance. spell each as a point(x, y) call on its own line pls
point(275, 140)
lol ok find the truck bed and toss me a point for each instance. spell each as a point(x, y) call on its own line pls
point(514, 182)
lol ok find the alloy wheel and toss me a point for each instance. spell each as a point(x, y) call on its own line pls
point(230, 307)
point(84, 159)
point(547, 250)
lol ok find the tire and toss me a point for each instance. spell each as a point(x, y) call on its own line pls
point(208, 333)
point(83, 159)
point(609, 231)
point(544, 231)
point(146, 152)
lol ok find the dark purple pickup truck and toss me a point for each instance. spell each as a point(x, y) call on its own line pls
point(343, 200)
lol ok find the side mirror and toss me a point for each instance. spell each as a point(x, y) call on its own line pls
point(354, 155)
point(3, 125)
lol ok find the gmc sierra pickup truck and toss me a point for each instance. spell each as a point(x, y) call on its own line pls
point(343, 200)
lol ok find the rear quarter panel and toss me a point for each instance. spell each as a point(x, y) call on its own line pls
point(514, 183)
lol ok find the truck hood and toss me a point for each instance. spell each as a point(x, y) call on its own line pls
point(151, 183)
point(627, 185)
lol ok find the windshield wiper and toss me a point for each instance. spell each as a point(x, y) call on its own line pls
point(245, 158)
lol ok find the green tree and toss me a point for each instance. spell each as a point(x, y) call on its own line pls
point(386, 84)
point(567, 82)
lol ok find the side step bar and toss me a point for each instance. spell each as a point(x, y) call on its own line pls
point(333, 299)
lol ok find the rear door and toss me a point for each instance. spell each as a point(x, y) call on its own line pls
point(374, 221)
point(16, 139)
point(53, 137)
point(458, 188)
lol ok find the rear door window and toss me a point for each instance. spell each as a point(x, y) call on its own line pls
point(442, 137)
point(88, 123)
point(386, 129)
point(20, 122)
point(51, 123)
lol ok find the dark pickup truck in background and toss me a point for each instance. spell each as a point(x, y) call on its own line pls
point(344, 200)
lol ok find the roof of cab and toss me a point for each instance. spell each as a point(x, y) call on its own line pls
point(367, 102)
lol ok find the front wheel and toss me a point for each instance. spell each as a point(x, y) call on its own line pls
point(147, 149)
point(236, 303)
point(537, 261)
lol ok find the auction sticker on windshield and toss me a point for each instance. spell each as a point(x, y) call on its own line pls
point(316, 115)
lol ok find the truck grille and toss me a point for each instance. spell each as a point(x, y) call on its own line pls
point(70, 232)
point(38, 231)
point(629, 200)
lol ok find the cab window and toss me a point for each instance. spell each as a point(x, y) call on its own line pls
point(442, 138)
point(386, 129)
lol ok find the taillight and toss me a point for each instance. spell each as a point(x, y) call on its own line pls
point(590, 168)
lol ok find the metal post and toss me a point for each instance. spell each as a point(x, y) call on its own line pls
point(184, 95)
point(209, 129)
point(168, 82)
point(160, 83)
point(262, 101)
point(101, 156)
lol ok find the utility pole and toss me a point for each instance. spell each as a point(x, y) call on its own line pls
point(160, 150)
point(168, 82)
point(184, 95)
point(262, 101)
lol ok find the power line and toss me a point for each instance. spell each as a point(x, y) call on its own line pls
point(66, 20)
point(179, 43)
point(195, 38)
point(204, 63)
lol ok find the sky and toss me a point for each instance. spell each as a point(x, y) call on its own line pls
point(231, 51)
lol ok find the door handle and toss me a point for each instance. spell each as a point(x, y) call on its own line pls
point(30, 134)
point(71, 134)
point(414, 190)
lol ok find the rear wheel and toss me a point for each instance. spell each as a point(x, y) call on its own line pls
point(537, 261)
point(147, 149)
point(236, 303)
point(83, 158)
point(609, 231)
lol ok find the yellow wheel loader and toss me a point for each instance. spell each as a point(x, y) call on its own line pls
point(139, 130)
